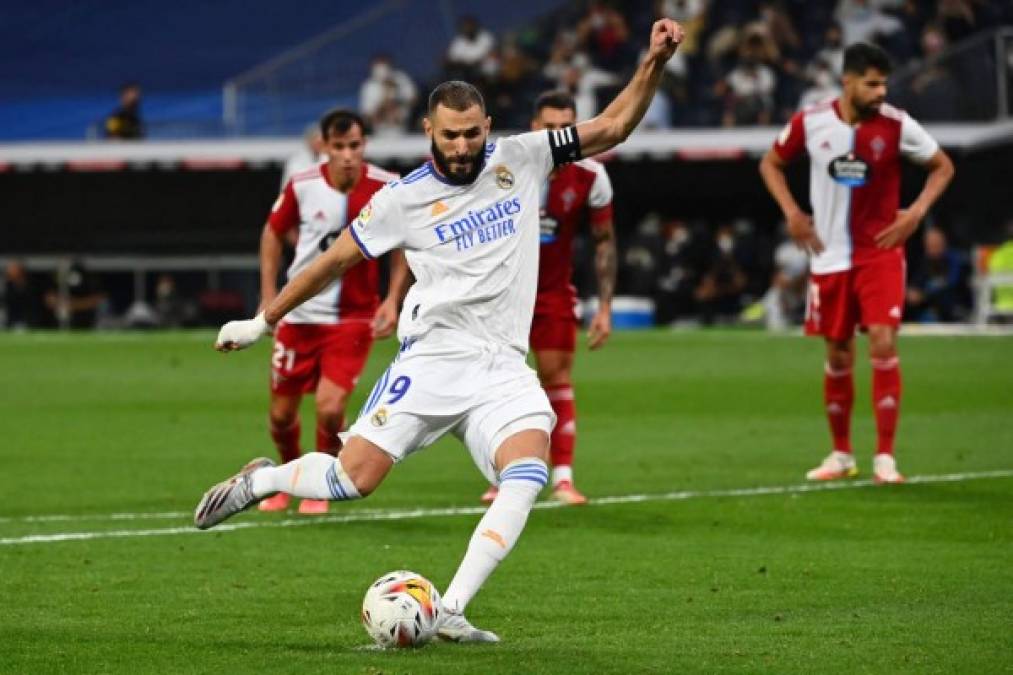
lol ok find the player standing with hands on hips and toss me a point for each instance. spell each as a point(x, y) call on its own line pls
point(468, 222)
point(855, 239)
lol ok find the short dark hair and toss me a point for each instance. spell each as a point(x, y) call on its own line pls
point(340, 121)
point(861, 56)
point(456, 95)
point(557, 99)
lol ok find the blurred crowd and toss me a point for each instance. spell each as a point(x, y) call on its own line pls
point(743, 62)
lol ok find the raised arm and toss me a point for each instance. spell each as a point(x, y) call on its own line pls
point(331, 264)
point(614, 124)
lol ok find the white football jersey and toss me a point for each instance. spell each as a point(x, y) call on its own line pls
point(472, 248)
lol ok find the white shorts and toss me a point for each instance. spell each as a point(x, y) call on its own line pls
point(482, 397)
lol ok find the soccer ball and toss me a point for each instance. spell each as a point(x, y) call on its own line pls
point(401, 609)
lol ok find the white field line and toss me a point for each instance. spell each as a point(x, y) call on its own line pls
point(409, 514)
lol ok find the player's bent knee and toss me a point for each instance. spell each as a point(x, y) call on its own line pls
point(525, 444)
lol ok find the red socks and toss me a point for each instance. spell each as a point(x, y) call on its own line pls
point(564, 435)
point(287, 441)
point(886, 400)
point(838, 395)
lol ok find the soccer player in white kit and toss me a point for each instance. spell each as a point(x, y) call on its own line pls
point(469, 224)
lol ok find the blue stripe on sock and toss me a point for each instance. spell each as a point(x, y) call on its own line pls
point(539, 468)
point(524, 474)
point(334, 485)
point(536, 472)
point(537, 481)
point(525, 470)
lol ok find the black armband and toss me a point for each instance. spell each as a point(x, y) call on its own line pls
point(565, 145)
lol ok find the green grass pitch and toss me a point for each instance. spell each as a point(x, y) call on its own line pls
point(912, 578)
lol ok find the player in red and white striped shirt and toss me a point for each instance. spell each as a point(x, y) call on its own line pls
point(322, 346)
point(856, 240)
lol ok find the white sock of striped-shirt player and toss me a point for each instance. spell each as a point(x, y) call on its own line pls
point(497, 532)
point(315, 475)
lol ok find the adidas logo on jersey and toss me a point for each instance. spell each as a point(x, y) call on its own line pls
point(438, 208)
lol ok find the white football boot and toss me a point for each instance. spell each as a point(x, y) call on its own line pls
point(228, 497)
point(884, 469)
point(455, 628)
point(837, 465)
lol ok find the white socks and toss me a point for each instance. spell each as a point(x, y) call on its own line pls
point(561, 473)
point(497, 532)
point(315, 475)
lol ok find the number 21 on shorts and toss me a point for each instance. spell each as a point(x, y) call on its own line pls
point(282, 359)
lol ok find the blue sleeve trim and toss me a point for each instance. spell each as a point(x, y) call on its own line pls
point(362, 247)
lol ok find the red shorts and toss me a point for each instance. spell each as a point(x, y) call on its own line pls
point(870, 294)
point(552, 332)
point(305, 352)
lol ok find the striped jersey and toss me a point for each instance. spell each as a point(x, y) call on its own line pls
point(854, 176)
point(318, 212)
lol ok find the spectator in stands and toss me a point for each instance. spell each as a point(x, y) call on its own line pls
point(74, 298)
point(937, 288)
point(171, 308)
point(933, 92)
point(310, 154)
point(748, 90)
point(582, 80)
point(864, 21)
point(784, 302)
point(719, 293)
point(605, 35)
point(831, 52)
point(469, 50)
point(958, 18)
point(125, 122)
point(691, 15)
point(386, 97)
point(508, 80)
point(20, 299)
point(679, 264)
point(777, 23)
point(823, 84)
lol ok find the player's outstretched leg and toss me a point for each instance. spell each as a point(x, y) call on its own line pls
point(230, 496)
point(521, 479)
point(360, 469)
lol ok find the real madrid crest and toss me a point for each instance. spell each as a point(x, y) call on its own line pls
point(504, 178)
point(379, 418)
